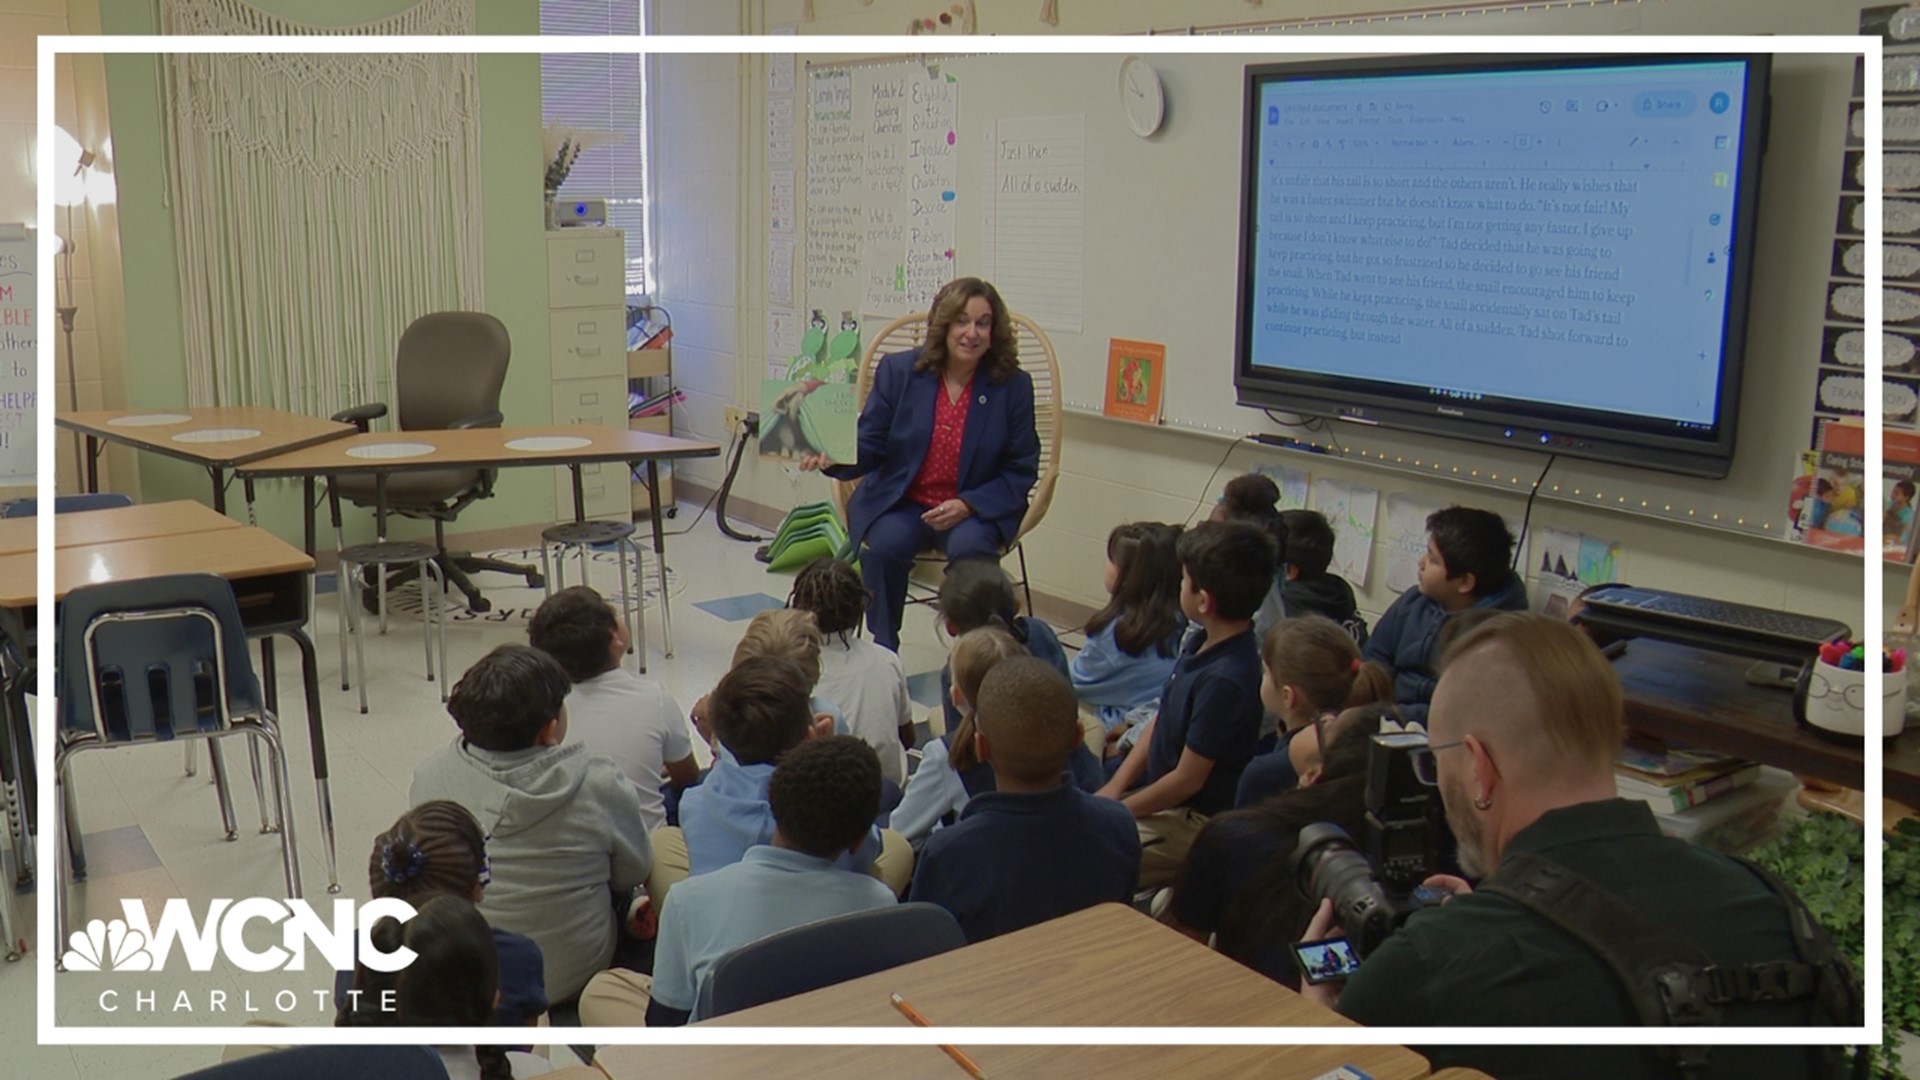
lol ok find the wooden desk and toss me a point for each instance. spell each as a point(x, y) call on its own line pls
point(1009, 1062)
point(1108, 966)
point(493, 448)
point(270, 580)
point(278, 432)
point(132, 523)
point(1703, 698)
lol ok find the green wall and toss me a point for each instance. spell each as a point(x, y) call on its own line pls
point(513, 235)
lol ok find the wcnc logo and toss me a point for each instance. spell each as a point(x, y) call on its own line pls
point(135, 944)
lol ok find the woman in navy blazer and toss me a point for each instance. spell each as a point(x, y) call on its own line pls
point(947, 447)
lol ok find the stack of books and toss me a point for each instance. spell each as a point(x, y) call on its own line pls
point(1673, 778)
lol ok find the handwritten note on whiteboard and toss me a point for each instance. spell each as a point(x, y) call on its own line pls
point(18, 337)
point(1036, 210)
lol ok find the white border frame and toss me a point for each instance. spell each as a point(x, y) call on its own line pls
point(51, 1033)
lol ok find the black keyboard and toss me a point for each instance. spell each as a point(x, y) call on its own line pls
point(1762, 633)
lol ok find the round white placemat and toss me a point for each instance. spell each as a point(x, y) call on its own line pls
point(390, 450)
point(152, 419)
point(548, 442)
point(218, 434)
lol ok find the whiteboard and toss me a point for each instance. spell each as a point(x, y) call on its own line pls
point(19, 326)
point(1160, 251)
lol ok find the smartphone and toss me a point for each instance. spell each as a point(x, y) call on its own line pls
point(1326, 961)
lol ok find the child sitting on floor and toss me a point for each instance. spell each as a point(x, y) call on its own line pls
point(561, 823)
point(951, 771)
point(1311, 670)
point(631, 719)
point(865, 680)
point(437, 848)
point(1468, 564)
point(1133, 641)
point(1036, 847)
point(1188, 764)
point(822, 797)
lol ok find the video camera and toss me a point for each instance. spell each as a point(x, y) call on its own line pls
point(1375, 889)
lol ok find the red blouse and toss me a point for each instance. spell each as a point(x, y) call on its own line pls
point(939, 477)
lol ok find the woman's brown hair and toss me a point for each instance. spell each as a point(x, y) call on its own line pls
point(1002, 357)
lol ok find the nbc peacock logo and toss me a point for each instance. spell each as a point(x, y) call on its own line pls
point(107, 946)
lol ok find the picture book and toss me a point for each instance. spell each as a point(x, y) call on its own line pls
point(1830, 512)
point(808, 404)
point(1136, 374)
point(1828, 495)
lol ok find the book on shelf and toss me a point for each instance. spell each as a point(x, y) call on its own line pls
point(1673, 794)
point(1829, 492)
point(1654, 758)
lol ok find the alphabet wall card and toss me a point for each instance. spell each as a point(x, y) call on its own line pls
point(18, 338)
point(1351, 510)
point(1136, 373)
point(1406, 539)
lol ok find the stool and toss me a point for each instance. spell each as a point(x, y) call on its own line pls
point(585, 536)
point(380, 556)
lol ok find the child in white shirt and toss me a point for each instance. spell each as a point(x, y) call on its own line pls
point(865, 680)
point(631, 719)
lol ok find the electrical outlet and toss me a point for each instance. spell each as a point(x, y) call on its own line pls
point(733, 416)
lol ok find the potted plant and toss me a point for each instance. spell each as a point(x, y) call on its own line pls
point(562, 146)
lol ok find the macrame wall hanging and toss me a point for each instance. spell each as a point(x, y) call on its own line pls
point(320, 204)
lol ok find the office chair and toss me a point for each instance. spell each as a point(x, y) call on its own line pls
point(827, 952)
point(448, 373)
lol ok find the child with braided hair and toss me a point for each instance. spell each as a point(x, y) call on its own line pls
point(437, 849)
point(865, 680)
point(452, 981)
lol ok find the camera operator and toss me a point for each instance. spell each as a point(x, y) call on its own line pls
point(1581, 890)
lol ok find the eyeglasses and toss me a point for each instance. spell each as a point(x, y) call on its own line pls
point(1855, 695)
point(1426, 768)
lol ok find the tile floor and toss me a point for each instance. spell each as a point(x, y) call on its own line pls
point(153, 832)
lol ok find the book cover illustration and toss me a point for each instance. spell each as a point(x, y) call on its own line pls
point(1830, 513)
point(1136, 374)
point(811, 410)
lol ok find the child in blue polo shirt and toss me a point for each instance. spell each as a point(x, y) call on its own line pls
point(1188, 763)
point(1036, 847)
point(823, 797)
point(1468, 564)
point(760, 711)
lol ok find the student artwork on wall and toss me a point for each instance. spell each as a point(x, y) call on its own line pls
point(1136, 373)
point(1291, 482)
point(1351, 510)
point(1406, 539)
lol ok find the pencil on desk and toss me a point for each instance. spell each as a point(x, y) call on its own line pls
point(953, 1052)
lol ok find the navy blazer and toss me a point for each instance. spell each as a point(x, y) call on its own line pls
point(999, 450)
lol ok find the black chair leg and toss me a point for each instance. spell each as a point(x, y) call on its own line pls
point(1025, 588)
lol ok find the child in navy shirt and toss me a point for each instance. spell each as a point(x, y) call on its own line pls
point(1306, 586)
point(1036, 848)
point(1468, 564)
point(1188, 764)
point(1313, 670)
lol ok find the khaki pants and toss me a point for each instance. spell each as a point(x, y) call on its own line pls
point(1095, 734)
point(1164, 840)
point(893, 866)
point(616, 998)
